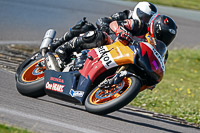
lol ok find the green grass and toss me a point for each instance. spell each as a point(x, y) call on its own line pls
point(9, 129)
point(178, 92)
point(190, 4)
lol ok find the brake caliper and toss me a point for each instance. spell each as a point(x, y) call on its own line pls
point(109, 82)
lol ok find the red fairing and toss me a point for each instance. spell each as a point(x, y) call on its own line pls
point(155, 59)
point(92, 68)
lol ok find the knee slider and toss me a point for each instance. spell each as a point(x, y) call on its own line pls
point(89, 36)
point(93, 39)
point(94, 36)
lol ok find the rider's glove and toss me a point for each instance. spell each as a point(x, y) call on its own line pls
point(81, 27)
point(125, 37)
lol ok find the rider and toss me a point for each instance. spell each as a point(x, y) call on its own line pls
point(142, 13)
point(96, 38)
point(161, 27)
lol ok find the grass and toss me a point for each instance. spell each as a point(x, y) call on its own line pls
point(189, 4)
point(178, 93)
point(9, 129)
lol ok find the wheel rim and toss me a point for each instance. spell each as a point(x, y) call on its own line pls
point(101, 96)
point(32, 73)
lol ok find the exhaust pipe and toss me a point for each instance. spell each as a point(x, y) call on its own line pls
point(48, 39)
point(51, 62)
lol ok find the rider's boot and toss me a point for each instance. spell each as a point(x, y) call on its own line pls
point(89, 40)
point(65, 51)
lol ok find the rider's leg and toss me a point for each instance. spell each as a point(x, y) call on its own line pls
point(89, 40)
point(82, 26)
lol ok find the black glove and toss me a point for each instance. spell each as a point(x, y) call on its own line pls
point(81, 27)
point(80, 23)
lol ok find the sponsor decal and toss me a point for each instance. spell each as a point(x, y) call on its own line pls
point(107, 59)
point(172, 31)
point(74, 93)
point(57, 79)
point(54, 87)
point(158, 56)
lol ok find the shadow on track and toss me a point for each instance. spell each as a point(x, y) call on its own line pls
point(147, 124)
point(129, 121)
point(158, 119)
point(143, 124)
point(69, 106)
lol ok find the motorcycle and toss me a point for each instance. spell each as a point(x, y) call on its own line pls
point(103, 79)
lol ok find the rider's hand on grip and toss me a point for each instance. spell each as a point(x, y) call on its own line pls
point(125, 37)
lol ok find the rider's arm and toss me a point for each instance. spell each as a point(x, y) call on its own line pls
point(134, 26)
point(103, 23)
point(120, 16)
point(129, 26)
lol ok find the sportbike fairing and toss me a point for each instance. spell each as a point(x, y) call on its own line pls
point(152, 62)
point(75, 85)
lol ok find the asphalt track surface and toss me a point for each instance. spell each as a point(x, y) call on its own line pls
point(54, 116)
point(25, 21)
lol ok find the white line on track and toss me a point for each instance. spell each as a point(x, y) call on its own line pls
point(20, 42)
point(46, 120)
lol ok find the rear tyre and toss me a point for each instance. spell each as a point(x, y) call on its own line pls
point(29, 79)
point(104, 101)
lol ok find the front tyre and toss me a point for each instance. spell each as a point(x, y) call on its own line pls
point(104, 101)
point(29, 78)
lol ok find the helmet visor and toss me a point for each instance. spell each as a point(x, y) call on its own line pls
point(143, 16)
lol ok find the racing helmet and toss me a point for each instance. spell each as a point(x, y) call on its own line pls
point(144, 11)
point(162, 28)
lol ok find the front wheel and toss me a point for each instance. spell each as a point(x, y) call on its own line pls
point(29, 78)
point(103, 101)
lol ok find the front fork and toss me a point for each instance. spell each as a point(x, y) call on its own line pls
point(117, 78)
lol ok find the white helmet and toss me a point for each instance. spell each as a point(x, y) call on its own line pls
point(144, 11)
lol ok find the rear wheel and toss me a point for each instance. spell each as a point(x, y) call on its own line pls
point(29, 78)
point(103, 101)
